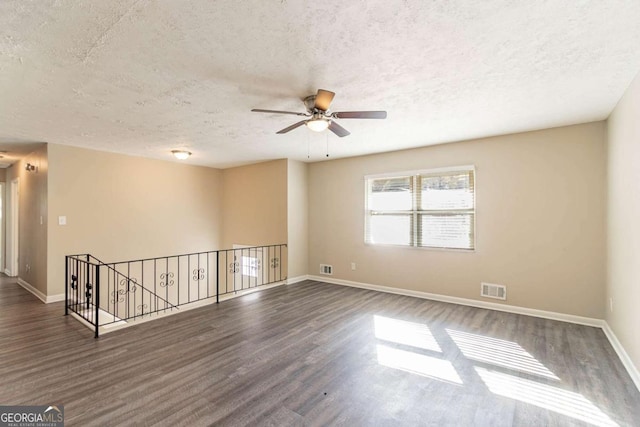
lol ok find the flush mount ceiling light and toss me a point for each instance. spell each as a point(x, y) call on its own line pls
point(181, 154)
point(317, 125)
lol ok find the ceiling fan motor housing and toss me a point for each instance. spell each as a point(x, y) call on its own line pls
point(309, 103)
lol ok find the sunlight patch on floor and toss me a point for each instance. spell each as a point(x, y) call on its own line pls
point(544, 396)
point(411, 334)
point(499, 352)
point(416, 363)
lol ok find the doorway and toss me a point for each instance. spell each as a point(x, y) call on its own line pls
point(2, 226)
point(13, 228)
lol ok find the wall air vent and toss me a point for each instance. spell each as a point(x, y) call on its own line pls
point(489, 290)
point(326, 269)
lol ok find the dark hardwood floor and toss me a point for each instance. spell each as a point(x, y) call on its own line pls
point(314, 354)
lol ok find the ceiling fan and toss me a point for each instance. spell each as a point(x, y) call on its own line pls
point(320, 118)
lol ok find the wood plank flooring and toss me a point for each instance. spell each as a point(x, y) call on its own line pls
point(314, 354)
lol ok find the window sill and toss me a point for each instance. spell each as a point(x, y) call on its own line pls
point(428, 248)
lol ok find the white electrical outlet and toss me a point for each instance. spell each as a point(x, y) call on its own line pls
point(353, 266)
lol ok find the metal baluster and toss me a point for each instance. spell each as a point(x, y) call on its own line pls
point(112, 311)
point(115, 290)
point(141, 284)
point(226, 272)
point(128, 278)
point(87, 311)
point(218, 276)
point(280, 265)
point(66, 285)
point(96, 298)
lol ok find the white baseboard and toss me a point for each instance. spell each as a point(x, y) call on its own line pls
point(42, 297)
point(588, 321)
point(622, 354)
point(55, 298)
point(7, 272)
point(298, 279)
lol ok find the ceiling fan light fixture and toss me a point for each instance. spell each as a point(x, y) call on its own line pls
point(181, 154)
point(318, 125)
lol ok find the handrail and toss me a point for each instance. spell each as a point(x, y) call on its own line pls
point(196, 253)
point(133, 287)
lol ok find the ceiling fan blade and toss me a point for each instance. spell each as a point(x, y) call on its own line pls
point(360, 115)
point(292, 127)
point(258, 110)
point(323, 99)
point(338, 130)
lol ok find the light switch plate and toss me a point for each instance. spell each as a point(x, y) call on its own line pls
point(62, 220)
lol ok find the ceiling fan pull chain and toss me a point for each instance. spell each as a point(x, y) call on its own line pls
point(327, 138)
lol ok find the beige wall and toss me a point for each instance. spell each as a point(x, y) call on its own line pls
point(623, 257)
point(540, 226)
point(298, 218)
point(121, 207)
point(32, 252)
point(254, 201)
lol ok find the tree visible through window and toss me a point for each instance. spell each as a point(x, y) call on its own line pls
point(430, 208)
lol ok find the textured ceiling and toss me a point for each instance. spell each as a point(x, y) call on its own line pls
point(144, 77)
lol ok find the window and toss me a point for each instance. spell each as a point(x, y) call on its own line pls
point(429, 208)
point(250, 266)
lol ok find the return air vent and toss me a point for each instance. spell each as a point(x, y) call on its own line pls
point(490, 290)
point(326, 269)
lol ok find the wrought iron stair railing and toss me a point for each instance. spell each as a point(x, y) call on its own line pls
point(87, 276)
point(104, 294)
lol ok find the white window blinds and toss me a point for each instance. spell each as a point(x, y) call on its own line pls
point(429, 208)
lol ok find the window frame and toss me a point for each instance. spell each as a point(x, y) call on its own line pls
point(416, 212)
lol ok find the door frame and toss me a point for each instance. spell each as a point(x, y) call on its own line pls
point(13, 236)
point(3, 216)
